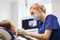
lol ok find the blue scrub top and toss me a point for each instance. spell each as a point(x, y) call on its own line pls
point(51, 23)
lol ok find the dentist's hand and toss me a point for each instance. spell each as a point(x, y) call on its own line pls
point(22, 32)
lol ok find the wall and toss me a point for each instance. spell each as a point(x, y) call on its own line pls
point(14, 13)
point(9, 11)
point(56, 8)
point(21, 11)
point(4, 10)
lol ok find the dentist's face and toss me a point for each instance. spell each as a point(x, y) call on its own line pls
point(34, 11)
point(38, 12)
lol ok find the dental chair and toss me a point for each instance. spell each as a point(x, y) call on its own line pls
point(4, 35)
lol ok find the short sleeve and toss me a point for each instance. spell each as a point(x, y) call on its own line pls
point(51, 22)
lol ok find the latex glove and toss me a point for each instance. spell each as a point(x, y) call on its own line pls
point(22, 32)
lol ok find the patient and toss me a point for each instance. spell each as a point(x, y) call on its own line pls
point(8, 30)
point(8, 27)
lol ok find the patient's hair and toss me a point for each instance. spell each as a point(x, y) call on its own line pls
point(6, 24)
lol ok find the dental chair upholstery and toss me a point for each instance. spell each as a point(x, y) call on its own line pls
point(4, 35)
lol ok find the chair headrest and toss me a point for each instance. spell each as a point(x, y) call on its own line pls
point(5, 34)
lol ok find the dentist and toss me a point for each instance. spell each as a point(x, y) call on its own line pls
point(48, 26)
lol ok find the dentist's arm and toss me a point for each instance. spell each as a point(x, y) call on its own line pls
point(44, 36)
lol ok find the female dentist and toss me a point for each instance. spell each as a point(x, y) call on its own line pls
point(48, 26)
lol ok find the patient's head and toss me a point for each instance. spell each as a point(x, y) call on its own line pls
point(9, 25)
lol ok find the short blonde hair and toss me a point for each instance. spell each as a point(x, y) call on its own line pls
point(39, 6)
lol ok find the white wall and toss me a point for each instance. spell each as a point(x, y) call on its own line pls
point(56, 8)
point(14, 12)
point(4, 9)
point(21, 11)
point(9, 11)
